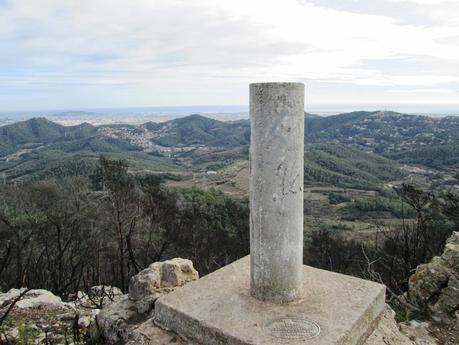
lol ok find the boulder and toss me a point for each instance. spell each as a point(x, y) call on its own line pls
point(177, 272)
point(146, 282)
point(112, 324)
point(434, 287)
point(158, 279)
point(37, 298)
point(8, 297)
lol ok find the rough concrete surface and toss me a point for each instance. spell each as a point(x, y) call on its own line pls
point(218, 309)
point(276, 190)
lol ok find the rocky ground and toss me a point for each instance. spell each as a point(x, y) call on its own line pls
point(104, 315)
point(40, 317)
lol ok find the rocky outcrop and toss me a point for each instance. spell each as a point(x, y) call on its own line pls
point(387, 332)
point(124, 320)
point(434, 287)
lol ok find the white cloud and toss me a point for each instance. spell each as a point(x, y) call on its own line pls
point(425, 2)
point(157, 52)
point(421, 91)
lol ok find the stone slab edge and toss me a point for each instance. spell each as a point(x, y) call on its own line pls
point(170, 319)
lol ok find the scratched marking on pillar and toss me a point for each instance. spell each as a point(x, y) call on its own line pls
point(292, 328)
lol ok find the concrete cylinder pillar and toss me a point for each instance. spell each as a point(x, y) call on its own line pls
point(276, 191)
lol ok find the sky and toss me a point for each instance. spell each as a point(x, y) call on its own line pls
point(76, 54)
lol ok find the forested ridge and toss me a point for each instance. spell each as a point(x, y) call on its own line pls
point(343, 166)
point(74, 151)
point(400, 137)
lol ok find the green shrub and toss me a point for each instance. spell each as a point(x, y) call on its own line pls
point(338, 198)
point(380, 204)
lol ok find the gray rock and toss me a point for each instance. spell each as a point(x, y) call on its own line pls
point(84, 322)
point(146, 304)
point(112, 323)
point(8, 297)
point(147, 333)
point(121, 323)
point(37, 298)
point(146, 283)
point(434, 287)
point(177, 272)
point(417, 331)
point(160, 278)
point(387, 332)
point(451, 252)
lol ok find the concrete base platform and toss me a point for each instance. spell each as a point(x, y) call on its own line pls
point(218, 309)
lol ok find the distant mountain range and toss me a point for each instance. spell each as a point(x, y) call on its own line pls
point(185, 141)
point(383, 132)
point(197, 129)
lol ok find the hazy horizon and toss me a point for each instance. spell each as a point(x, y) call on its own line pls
point(320, 109)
